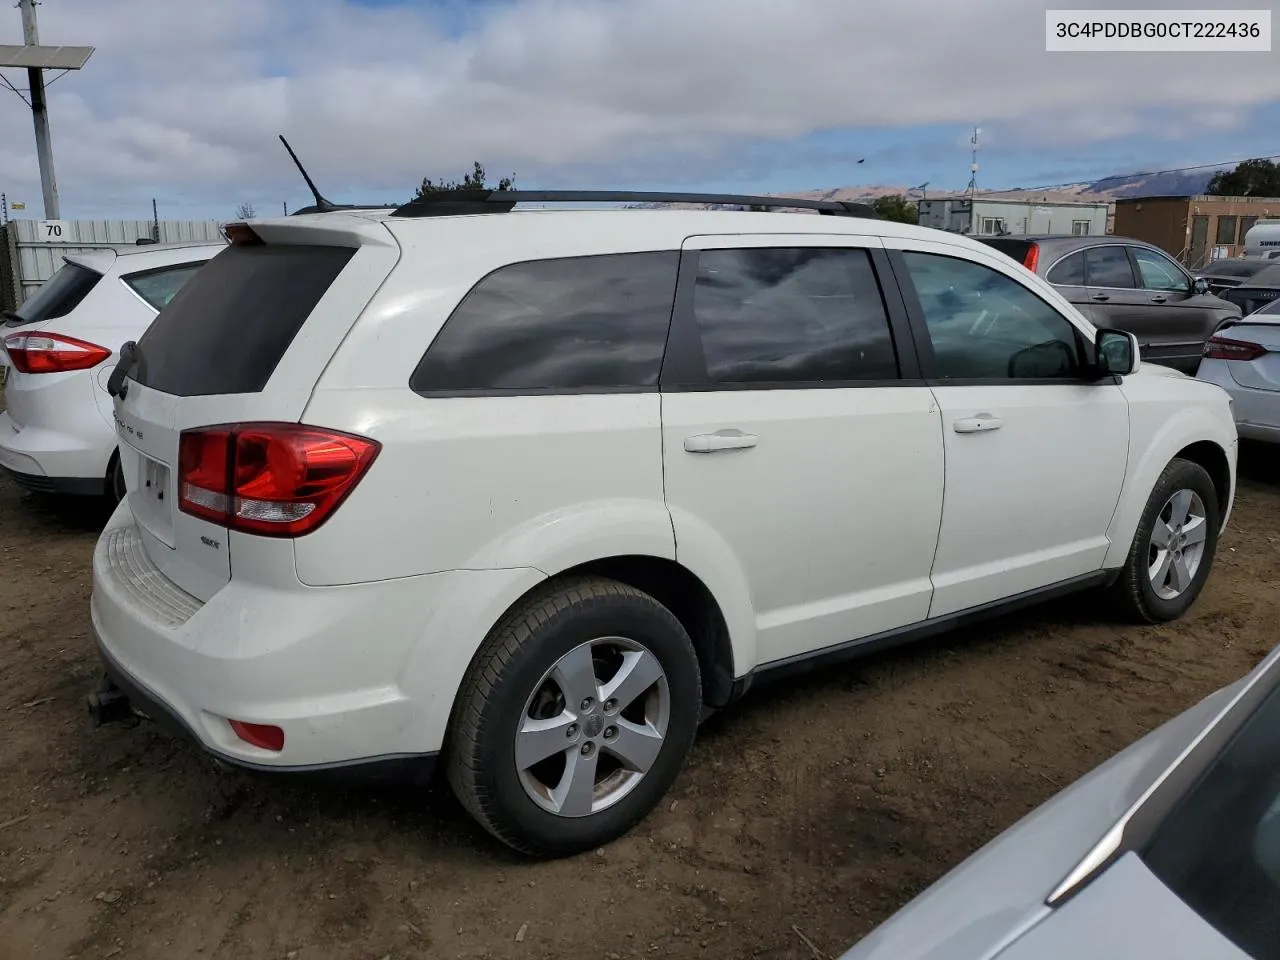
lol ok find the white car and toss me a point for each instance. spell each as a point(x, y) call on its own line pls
point(57, 432)
point(1244, 359)
point(532, 490)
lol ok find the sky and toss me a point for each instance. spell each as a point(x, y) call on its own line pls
point(183, 99)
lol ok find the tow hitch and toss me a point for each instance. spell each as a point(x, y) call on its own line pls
point(108, 704)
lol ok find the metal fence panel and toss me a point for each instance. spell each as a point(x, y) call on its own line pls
point(34, 259)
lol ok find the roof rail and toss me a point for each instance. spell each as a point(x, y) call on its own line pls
point(445, 203)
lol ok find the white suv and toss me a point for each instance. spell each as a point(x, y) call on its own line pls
point(57, 433)
point(531, 491)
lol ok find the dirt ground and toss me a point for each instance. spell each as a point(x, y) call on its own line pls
point(810, 810)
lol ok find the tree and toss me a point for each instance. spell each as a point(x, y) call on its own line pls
point(245, 211)
point(896, 207)
point(475, 180)
point(1253, 178)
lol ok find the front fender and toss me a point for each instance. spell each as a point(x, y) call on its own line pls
point(1171, 424)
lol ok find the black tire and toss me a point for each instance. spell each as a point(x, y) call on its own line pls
point(116, 489)
point(510, 668)
point(1134, 592)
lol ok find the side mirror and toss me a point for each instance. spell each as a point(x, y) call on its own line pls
point(1199, 285)
point(1117, 352)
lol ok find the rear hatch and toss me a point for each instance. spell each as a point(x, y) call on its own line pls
point(55, 299)
point(243, 342)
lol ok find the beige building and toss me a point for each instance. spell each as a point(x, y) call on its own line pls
point(1194, 230)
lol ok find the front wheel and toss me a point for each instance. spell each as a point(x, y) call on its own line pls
point(575, 717)
point(1173, 547)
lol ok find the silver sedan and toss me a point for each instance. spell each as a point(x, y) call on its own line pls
point(1171, 849)
point(1244, 359)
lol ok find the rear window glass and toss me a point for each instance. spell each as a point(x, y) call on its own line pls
point(1232, 268)
point(226, 330)
point(1017, 249)
point(578, 323)
point(162, 284)
point(57, 296)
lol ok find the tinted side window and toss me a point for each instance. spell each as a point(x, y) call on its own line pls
point(158, 287)
point(566, 324)
point(792, 315)
point(1108, 267)
point(1069, 271)
point(1158, 271)
point(985, 325)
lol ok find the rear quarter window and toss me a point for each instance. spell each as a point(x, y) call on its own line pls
point(161, 284)
point(567, 324)
point(226, 330)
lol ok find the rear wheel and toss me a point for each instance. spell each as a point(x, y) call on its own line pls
point(1174, 545)
point(575, 718)
point(116, 489)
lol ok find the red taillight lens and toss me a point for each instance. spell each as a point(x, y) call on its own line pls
point(52, 353)
point(273, 479)
point(242, 235)
point(1032, 259)
point(1224, 348)
point(259, 735)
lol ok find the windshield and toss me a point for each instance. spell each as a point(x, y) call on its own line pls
point(1219, 847)
point(57, 296)
point(1233, 267)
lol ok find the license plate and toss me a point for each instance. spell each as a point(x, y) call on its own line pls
point(155, 479)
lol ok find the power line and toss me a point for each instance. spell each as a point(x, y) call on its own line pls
point(1129, 176)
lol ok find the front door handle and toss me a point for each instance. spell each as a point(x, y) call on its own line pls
point(982, 423)
point(720, 440)
point(1101, 297)
point(1160, 299)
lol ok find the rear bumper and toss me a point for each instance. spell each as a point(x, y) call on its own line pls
point(71, 458)
point(1256, 412)
point(357, 674)
point(412, 767)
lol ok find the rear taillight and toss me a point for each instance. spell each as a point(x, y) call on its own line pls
point(52, 353)
point(1224, 348)
point(1032, 259)
point(272, 479)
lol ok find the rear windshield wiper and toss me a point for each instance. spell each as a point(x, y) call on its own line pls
point(128, 359)
point(13, 315)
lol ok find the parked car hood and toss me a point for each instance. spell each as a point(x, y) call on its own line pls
point(998, 893)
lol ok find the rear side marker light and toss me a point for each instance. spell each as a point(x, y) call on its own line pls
point(1032, 259)
point(1224, 348)
point(259, 735)
point(52, 353)
point(270, 479)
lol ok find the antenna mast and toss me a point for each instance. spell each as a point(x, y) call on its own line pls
point(973, 162)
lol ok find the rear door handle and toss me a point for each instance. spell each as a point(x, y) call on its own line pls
point(1160, 299)
point(1101, 297)
point(982, 423)
point(720, 440)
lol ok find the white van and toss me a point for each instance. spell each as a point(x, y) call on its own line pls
point(1263, 240)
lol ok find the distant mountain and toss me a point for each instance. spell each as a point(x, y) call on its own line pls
point(1153, 185)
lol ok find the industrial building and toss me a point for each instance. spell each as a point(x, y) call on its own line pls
point(1194, 230)
point(993, 216)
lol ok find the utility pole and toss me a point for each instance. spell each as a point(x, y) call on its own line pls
point(40, 113)
point(37, 59)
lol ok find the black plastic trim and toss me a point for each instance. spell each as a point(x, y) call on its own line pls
point(144, 703)
point(465, 202)
point(61, 486)
point(852, 649)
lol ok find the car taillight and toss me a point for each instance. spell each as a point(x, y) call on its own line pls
point(1224, 348)
point(1032, 259)
point(52, 353)
point(272, 479)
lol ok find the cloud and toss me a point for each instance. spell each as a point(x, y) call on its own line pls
point(184, 98)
